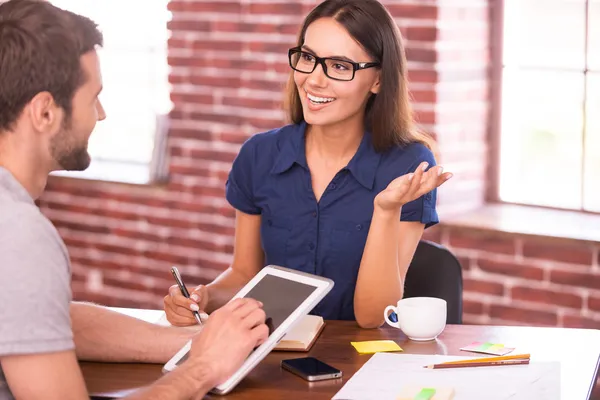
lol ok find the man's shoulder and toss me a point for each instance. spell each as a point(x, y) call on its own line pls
point(22, 223)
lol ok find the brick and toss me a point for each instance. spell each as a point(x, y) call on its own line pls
point(199, 133)
point(421, 33)
point(215, 81)
point(188, 25)
point(594, 303)
point(422, 76)
point(521, 315)
point(481, 286)
point(424, 96)
point(577, 321)
point(207, 116)
point(477, 240)
point(465, 262)
point(220, 45)
point(412, 11)
point(545, 296)
point(510, 269)
point(269, 47)
point(558, 251)
point(221, 6)
point(283, 8)
point(421, 55)
point(213, 154)
point(577, 279)
point(244, 27)
point(267, 85)
point(233, 137)
point(259, 104)
point(473, 307)
point(180, 98)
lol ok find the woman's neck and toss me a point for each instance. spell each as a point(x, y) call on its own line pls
point(336, 144)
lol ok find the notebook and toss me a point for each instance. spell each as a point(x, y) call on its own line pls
point(300, 338)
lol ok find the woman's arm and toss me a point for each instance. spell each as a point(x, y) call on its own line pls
point(388, 252)
point(391, 245)
point(248, 259)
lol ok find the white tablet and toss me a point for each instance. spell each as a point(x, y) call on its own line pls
point(287, 296)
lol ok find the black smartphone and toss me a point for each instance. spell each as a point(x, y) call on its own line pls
point(311, 369)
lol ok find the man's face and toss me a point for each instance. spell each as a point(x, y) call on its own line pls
point(69, 146)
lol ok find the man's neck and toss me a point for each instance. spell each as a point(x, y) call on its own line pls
point(32, 174)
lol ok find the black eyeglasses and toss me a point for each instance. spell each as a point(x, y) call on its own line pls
point(334, 68)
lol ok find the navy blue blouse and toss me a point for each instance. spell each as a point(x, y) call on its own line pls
point(270, 177)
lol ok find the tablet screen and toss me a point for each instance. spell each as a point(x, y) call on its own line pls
point(280, 298)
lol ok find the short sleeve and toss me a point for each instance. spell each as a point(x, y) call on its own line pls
point(35, 290)
point(422, 209)
point(238, 188)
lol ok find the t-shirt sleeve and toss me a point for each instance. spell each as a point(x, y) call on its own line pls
point(422, 209)
point(35, 291)
point(238, 189)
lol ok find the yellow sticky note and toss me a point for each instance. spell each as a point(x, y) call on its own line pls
point(376, 346)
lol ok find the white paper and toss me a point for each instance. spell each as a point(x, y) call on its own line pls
point(384, 375)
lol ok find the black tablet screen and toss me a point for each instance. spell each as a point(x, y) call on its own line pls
point(280, 298)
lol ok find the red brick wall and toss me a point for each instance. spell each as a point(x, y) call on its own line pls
point(526, 280)
point(229, 64)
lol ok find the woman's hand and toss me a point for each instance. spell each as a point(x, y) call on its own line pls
point(409, 187)
point(178, 308)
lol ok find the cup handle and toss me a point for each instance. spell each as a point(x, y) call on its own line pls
point(386, 316)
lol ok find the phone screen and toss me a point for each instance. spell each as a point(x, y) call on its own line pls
point(310, 366)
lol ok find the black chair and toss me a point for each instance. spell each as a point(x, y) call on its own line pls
point(436, 272)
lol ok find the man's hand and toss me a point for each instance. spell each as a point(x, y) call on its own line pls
point(227, 339)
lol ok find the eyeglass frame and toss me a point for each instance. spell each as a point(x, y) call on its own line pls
point(356, 66)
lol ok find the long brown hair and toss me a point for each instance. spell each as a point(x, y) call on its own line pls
point(388, 114)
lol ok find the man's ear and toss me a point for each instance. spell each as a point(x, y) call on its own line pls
point(44, 113)
point(376, 85)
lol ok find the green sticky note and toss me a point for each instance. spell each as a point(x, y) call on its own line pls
point(425, 394)
point(485, 346)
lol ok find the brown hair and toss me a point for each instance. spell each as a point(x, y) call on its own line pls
point(40, 50)
point(388, 115)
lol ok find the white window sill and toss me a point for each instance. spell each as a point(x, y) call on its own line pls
point(112, 171)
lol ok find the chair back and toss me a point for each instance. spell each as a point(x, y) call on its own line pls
point(436, 272)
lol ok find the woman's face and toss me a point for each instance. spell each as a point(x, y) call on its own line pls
point(326, 101)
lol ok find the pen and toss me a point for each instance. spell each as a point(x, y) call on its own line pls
point(184, 291)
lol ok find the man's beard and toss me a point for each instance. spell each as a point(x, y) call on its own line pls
point(67, 152)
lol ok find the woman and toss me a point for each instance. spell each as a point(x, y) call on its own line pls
point(345, 191)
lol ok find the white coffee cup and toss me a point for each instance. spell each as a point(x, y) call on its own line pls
point(420, 318)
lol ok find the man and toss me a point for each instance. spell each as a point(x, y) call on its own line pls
point(49, 85)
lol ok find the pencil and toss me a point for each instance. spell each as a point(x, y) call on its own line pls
point(486, 359)
point(479, 364)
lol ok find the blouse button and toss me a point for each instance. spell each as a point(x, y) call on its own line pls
point(311, 246)
point(359, 227)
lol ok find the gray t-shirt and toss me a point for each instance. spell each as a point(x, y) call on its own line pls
point(35, 275)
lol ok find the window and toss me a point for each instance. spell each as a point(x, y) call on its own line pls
point(128, 146)
point(550, 125)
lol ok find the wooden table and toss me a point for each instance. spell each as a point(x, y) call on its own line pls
point(577, 350)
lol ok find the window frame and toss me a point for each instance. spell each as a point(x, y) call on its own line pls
point(492, 195)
